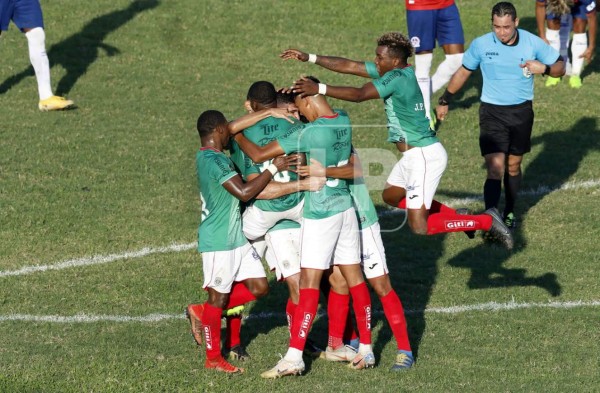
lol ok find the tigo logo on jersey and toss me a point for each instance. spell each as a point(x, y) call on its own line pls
point(368, 313)
point(459, 224)
point(207, 337)
point(305, 325)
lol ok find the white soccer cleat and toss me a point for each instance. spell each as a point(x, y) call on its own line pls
point(283, 368)
point(343, 353)
point(361, 361)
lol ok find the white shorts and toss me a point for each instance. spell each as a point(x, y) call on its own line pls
point(283, 252)
point(256, 222)
point(222, 268)
point(372, 253)
point(330, 240)
point(419, 172)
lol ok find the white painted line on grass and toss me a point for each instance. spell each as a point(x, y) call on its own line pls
point(99, 259)
point(491, 306)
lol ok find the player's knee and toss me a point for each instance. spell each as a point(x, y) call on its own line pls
point(259, 288)
point(423, 65)
point(418, 227)
point(390, 197)
point(36, 36)
point(381, 285)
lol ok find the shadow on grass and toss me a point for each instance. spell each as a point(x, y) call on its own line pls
point(560, 158)
point(79, 51)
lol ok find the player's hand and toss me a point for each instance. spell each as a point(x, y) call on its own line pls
point(283, 113)
point(534, 66)
point(441, 111)
point(314, 169)
point(305, 87)
point(587, 55)
point(312, 183)
point(296, 159)
point(294, 54)
point(281, 162)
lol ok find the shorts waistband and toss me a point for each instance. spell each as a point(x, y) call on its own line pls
point(525, 104)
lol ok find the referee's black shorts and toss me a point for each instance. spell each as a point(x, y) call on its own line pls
point(505, 128)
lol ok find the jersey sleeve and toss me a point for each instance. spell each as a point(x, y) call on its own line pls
point(544, 52)
point(472, 57)
point(294, 140)
point(388, 84)
point(222, 170)
point(371, 69)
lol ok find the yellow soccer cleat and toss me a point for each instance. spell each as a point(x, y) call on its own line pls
point(551, 81)
point(575, 82)
point(55, 103)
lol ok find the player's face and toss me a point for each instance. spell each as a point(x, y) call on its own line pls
point(505, 28)
point(383, 61)
point(292, 108)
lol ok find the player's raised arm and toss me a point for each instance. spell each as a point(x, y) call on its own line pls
point(306, 87)
point(258, 153)
point(241, 123)
point(337, 64)
point(246, 191)
point(351, 170)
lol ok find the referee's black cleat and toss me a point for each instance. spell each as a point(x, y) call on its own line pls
point(463, 211)
point(499, 230)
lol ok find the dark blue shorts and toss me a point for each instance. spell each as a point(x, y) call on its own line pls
point(427, 26)
point(579, 10)
point(26, 14)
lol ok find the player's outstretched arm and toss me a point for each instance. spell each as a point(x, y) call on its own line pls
point(259, 153)
point(277, 189)
point(456, 83)
point(352, 170)
point(241, 123)
point(246, 191)
point(337, 64)
point(307, 87)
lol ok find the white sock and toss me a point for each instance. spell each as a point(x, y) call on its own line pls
point(36, 40)
point(578, 46)
point(445, 71)
point(364, 348)
point(293, 355)
point(422, 69)
point(553, 37)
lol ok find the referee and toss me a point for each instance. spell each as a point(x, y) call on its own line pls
point(508, 58)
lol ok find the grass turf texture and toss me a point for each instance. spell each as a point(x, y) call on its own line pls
point(118, 174)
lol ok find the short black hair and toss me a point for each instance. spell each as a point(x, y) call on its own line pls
point(208, 121)
point(398, 45)
point(504, 8)
point(262, 92)
point(285, 98)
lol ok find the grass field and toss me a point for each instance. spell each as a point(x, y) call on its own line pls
point(99, 209)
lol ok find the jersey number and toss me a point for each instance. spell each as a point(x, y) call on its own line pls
point(205, 211)
point(335, 182)
point(281, 177)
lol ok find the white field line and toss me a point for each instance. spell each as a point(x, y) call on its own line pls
point(100, 259)
point(491, 306)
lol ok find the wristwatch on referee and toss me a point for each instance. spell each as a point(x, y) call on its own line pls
point(444, 100)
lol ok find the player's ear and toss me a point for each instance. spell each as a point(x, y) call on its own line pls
point(248, 106)
point(516, 22)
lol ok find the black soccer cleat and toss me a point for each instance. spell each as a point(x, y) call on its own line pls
point(463, 211)
point(499, 230)
point(238, 353)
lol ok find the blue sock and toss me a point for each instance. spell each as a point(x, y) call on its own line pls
point(407, 353)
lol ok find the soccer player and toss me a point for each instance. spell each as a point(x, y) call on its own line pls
point(373, 262)
point(582, 11)
point(27, 15)
point(329, 227)
point(508, 57)
point(414, 179)
point(233, 272)
point(428, 21)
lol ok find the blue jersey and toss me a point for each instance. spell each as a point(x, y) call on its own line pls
point(504, 82)
point(27, 14)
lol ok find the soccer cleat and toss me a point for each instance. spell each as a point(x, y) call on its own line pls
point(234, 311)
point(221, 364)
point(510, 221)
point(55, 103)
point(465, 212)
point(283, 368)
point(238, 353)
point(193, 312)
point(404, 361)
point(343, 353)
point(575, 82)
point(499, 230)
point(361, 361)
point(552, 81)
point(312, 350)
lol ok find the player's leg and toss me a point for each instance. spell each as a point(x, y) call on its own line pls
point(376, 271)
point(553, 37)
point(578, 47)
point(421, 29)
point(451, 38)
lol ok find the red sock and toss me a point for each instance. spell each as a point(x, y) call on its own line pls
point(452, 222)
point(239, 295)
point(402, 203)
point(337, 310)
point(362, 309)
point(392, 308)
point(304, 317)
point(211, 327)
point(350, 333)
point(290, 309)
point(234, 328)
point(437, 207)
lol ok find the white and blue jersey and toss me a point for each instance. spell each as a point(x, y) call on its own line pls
point(580, 9)
point(27, 14)
point(504, 82)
